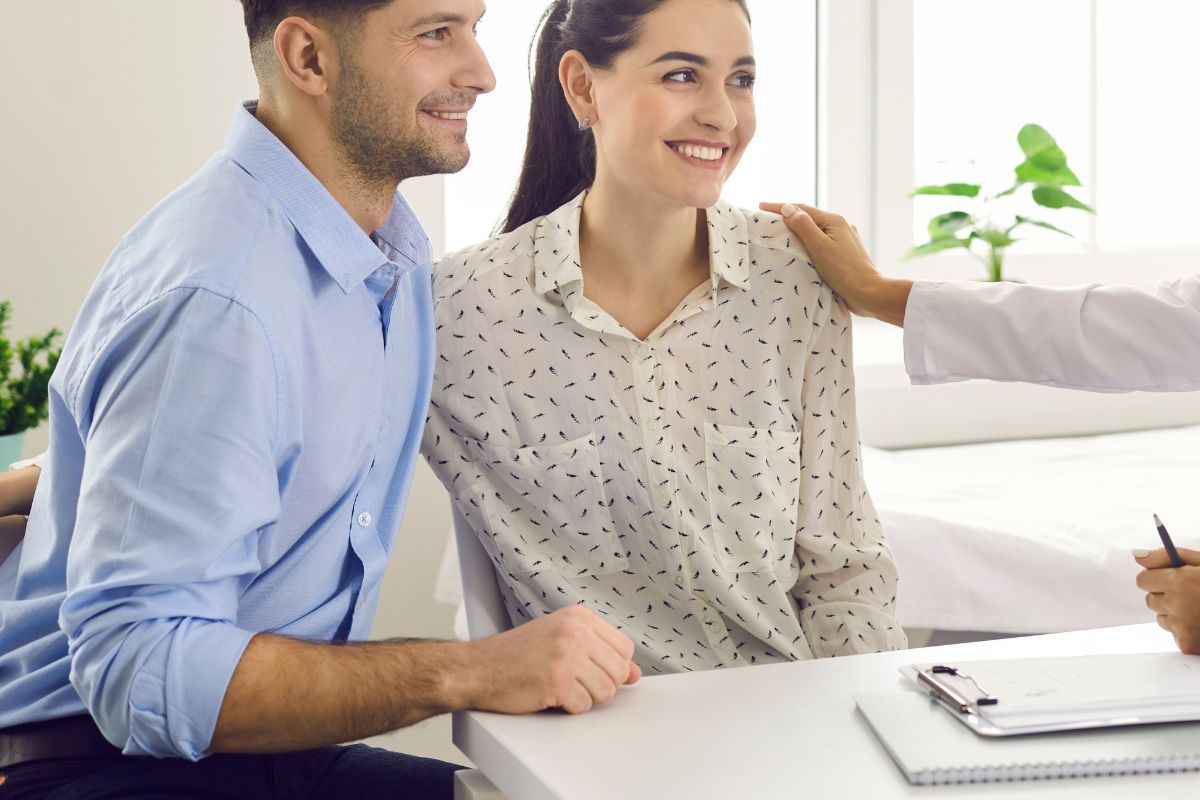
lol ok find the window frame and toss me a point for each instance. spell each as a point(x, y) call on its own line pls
point(865, 55)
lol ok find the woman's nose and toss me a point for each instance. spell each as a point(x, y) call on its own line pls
point(717, 112)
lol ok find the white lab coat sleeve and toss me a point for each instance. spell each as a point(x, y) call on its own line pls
point(1100, 338)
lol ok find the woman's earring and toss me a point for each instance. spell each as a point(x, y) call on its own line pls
point(584, 124)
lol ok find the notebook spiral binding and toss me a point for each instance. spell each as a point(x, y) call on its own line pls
point(1059, 769)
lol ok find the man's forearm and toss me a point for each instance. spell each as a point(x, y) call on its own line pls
point(288, 694)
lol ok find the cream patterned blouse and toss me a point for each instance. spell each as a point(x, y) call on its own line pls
point(700, 489)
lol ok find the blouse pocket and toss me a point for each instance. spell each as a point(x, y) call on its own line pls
point(546, 508)
point(753, 495)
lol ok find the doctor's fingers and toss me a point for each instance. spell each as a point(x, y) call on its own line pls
point(1157, 580)
point(1159, 604)
point(1157, 559)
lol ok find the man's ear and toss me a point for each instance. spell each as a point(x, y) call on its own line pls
point(305, 55)
point(576, 76)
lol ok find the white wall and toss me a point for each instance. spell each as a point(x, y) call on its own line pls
point(110, 106)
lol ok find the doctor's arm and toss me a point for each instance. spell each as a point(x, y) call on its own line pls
point(1099, 338)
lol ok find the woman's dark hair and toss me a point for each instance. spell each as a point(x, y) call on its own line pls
point(560, 161)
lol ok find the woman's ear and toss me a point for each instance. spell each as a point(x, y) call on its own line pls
point(575, 75)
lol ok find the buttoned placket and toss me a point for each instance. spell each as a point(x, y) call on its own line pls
point(364, 538)
point(655, 436)
point(664, 489)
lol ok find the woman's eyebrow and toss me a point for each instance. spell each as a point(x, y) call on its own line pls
point(698, 60)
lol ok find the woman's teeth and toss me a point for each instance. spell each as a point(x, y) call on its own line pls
point(702, 153)
point(448, 114)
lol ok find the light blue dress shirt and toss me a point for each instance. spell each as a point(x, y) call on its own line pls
point(233, 431)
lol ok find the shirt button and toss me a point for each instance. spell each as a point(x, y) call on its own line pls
point(654, 425)
point(364, 519)
point(664, 499)
point(643, 350)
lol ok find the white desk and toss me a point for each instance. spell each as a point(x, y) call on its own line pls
point(784, 730)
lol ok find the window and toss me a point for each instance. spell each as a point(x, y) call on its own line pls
point(780, 164)
point(1112, 80)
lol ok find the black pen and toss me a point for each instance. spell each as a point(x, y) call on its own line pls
point(1176, 561)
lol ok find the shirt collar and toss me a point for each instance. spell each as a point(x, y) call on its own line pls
point(556, 248)
point(728, 245)
point(340, 245)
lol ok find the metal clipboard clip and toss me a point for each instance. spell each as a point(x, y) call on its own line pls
point(955, 699)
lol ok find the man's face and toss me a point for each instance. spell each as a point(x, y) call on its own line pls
point(409, 73)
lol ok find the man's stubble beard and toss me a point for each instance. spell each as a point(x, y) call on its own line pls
point(374, 142)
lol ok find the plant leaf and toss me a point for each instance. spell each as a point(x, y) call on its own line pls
point(1052, 197)
point(1033, 171)
point(1045, 162)
point(996, 238)
point(1033, 139)
point(1027, 221)
point(956, 189)
point(936, 247)
point(944, 226)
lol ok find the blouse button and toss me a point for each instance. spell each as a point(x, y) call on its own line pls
point(643, 350)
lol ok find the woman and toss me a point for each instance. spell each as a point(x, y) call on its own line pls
point(644, 399)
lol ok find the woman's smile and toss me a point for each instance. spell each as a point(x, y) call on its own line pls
point(701, 154)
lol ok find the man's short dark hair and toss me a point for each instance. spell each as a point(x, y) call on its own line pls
point(263, 16)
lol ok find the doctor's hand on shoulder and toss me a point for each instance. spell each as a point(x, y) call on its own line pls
point(841, 259)
point(1173, 593)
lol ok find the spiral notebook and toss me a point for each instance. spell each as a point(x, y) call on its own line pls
point(930, 747)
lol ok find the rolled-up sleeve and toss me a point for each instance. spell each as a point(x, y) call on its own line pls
point(847, 584)
point(179, 415)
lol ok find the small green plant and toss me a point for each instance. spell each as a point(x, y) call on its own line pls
point(24, 395)
point(1044, 169)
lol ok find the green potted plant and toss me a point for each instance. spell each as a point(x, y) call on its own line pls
point(25, 369)
point(984, 230)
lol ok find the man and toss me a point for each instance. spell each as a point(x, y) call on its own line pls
point(234, 425)
point(1100, 338)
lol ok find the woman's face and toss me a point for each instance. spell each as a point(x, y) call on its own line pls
point(676, 111)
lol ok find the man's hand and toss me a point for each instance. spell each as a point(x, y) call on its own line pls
point(842, 262)
point(1173, 593)
point(570, 659)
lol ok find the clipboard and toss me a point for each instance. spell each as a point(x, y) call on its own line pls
point(1014, 697)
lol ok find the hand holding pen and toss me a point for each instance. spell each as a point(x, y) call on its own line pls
point(1171, 580)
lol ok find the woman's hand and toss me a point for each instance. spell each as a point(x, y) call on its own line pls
point(16, 490)
point(842, 261)
point(1173, 593)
